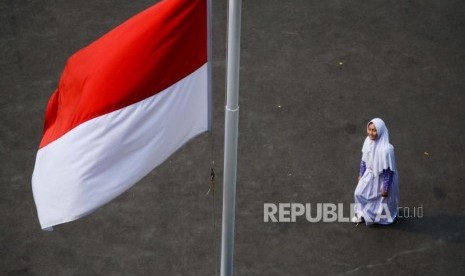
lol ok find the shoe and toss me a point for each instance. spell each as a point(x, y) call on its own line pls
point(357, 219)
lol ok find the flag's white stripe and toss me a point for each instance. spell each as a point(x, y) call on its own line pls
point(103, 157)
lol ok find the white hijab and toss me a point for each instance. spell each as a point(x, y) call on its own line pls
point(379, 154)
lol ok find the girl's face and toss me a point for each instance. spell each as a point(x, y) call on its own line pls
point(371, 131)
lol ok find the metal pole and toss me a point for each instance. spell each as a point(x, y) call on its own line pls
point(231, 137)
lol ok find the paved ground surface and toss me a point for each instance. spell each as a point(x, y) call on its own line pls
point(312, 74)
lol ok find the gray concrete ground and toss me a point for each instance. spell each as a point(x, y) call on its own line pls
point(312, 74)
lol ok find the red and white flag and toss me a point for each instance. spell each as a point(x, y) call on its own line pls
point(123, 105)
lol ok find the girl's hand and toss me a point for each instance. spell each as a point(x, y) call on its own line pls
point(384, 194)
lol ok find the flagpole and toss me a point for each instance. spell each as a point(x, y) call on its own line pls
point(231, 137)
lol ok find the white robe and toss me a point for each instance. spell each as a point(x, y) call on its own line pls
point(378, 155)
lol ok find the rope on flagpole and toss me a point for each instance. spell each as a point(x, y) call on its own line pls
point(211, 189)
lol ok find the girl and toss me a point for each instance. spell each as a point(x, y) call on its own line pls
point(377, 192)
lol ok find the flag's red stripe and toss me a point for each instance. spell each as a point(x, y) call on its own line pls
point(143, 56)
